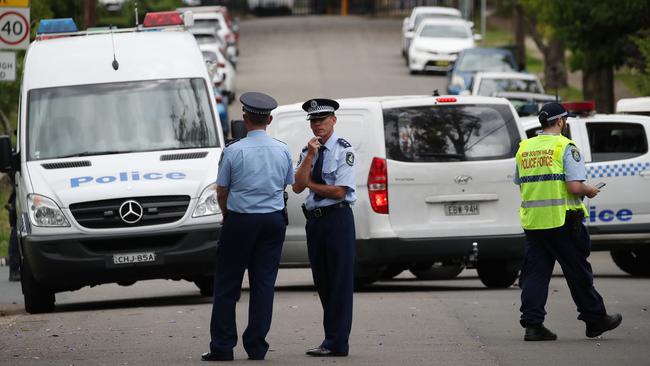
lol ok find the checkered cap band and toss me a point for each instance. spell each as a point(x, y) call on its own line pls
point(248, 109)
point(552, 118)
point(321, 109)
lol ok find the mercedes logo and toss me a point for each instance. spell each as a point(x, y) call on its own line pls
point(462, 179)
point(131, 212)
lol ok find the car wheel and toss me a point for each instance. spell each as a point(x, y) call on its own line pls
point(436, 271)
point(38, 299)
point(498, 273)
point(205, 285)
point(635, 261)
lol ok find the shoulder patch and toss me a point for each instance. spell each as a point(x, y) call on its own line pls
point(349, 158)
point(232, 142)
point(576, 154)
point(304, 149)
point(343, 143)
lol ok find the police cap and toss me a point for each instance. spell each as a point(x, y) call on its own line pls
point(319, 108)
point(552, 111)
point(258, 103)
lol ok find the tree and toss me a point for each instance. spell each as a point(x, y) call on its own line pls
point(598, 34)
point(642, 41)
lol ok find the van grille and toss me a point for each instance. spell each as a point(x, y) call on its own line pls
point(66, 164)
point(185, 156)
point(105, 214)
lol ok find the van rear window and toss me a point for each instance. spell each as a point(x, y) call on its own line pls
point(447, 133)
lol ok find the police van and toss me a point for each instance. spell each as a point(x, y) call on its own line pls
point(615, 149)
point(117, 150)
point(434, 185)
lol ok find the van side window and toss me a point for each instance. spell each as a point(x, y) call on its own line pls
point(616, 141)
point(448, 133)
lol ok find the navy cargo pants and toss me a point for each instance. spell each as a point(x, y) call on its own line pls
point(252, 241)
point(331, 247)
point(570, 246)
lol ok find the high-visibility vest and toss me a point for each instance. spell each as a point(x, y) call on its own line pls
point(544, 194)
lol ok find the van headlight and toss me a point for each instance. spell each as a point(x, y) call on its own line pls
point(45, 212)
point(207, 204)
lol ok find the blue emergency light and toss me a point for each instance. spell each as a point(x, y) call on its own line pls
point(52, 26)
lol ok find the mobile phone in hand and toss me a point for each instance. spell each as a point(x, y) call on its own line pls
point(600, 185)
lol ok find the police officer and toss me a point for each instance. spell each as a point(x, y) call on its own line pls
point(14, 252)
point(326, 167)
point(551, 174)
point(253, 174)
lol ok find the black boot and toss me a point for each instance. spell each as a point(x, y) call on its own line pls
point(539, 332)
point(608, 322)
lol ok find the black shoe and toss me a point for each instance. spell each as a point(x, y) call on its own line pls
point(209, 356)
point(14, 275)
point(608, 322)
point(324, 352)
point(539, 333)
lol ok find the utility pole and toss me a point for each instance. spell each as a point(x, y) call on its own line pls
point(89, 13)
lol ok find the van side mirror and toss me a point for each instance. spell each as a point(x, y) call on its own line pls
point(238, 129)
point(5, 154)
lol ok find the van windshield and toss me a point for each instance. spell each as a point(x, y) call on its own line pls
point(448, 133)
point(119, 117)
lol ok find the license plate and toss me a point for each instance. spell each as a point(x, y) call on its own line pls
point(134, 258)
point(442, 63)
point(461, 209)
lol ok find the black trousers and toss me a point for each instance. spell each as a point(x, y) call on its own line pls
point(331, 246)
point(570, 246)
point(253, 242)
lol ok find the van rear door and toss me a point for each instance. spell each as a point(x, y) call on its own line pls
point(450, 163)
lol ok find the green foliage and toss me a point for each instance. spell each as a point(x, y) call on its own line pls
point(125, 17)
point(642, 80)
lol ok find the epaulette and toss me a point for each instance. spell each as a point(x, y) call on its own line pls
point(279, 141)
point(304, 149)
point(343, 142)
point(232, 142)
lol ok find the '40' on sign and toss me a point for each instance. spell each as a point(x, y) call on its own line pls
point(14, 28)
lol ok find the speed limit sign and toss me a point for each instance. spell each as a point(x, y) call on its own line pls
point(14, 28)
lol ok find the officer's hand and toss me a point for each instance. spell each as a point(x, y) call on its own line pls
point(312, 146)
point(591, 191)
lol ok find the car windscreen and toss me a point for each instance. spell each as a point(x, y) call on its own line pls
point(209, 55)
point(488, 87)
point(205, 39)
point(119, 117)
point(448, 133)
point(474, 62)
point(420, 17)
point(444, 31)
point(207, 23)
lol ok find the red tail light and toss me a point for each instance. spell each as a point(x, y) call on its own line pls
point(378, 186)
point(219, 99)
point(228, 37)
point(221, 64)
point(446, 100)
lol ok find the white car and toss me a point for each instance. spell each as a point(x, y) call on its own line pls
point(419, 13)
point(226, 71)
point(211, 17)
point(434, 185)
point(615, 149)
point(437, 42)
point(489, 83)
point(639, 105)
point(116, 160)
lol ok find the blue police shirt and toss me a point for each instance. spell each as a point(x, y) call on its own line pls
point(574, 166)
point(256, 170)
point(338, 170)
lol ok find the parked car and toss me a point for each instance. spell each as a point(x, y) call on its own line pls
point(227, 76)
point(437, 42)
point(215, 17)
point(639, 105)
point(432, 185)
point(419, 13)
point(473, 60)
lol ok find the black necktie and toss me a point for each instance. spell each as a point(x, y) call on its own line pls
point(317, 172)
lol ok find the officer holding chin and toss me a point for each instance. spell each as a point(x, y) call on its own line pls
point(326, 168)
point(550, 174)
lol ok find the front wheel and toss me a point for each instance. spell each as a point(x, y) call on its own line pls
point(498, 273)
point(38, 299)
point(634, 261)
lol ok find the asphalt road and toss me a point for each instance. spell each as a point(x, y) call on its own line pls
point(404, 321)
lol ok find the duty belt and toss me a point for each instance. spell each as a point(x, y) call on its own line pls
point(322, 211)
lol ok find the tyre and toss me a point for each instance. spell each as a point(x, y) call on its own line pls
point(498, 273)
point(634, 261)
point(205, 285)
point(436, 271)
point(38, 299)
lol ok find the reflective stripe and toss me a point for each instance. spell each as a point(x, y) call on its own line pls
point(549, 203)
point(543, 203)
point(542, 178)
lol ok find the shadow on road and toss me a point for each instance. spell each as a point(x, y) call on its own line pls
point(144, 302)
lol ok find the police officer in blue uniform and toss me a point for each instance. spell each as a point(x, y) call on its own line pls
point(326, 167)
point(569, 245)
point(252, 177)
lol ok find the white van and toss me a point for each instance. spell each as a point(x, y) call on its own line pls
point(434, 185)
point(639, 105)
point(615, 149)
point(117, 153)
